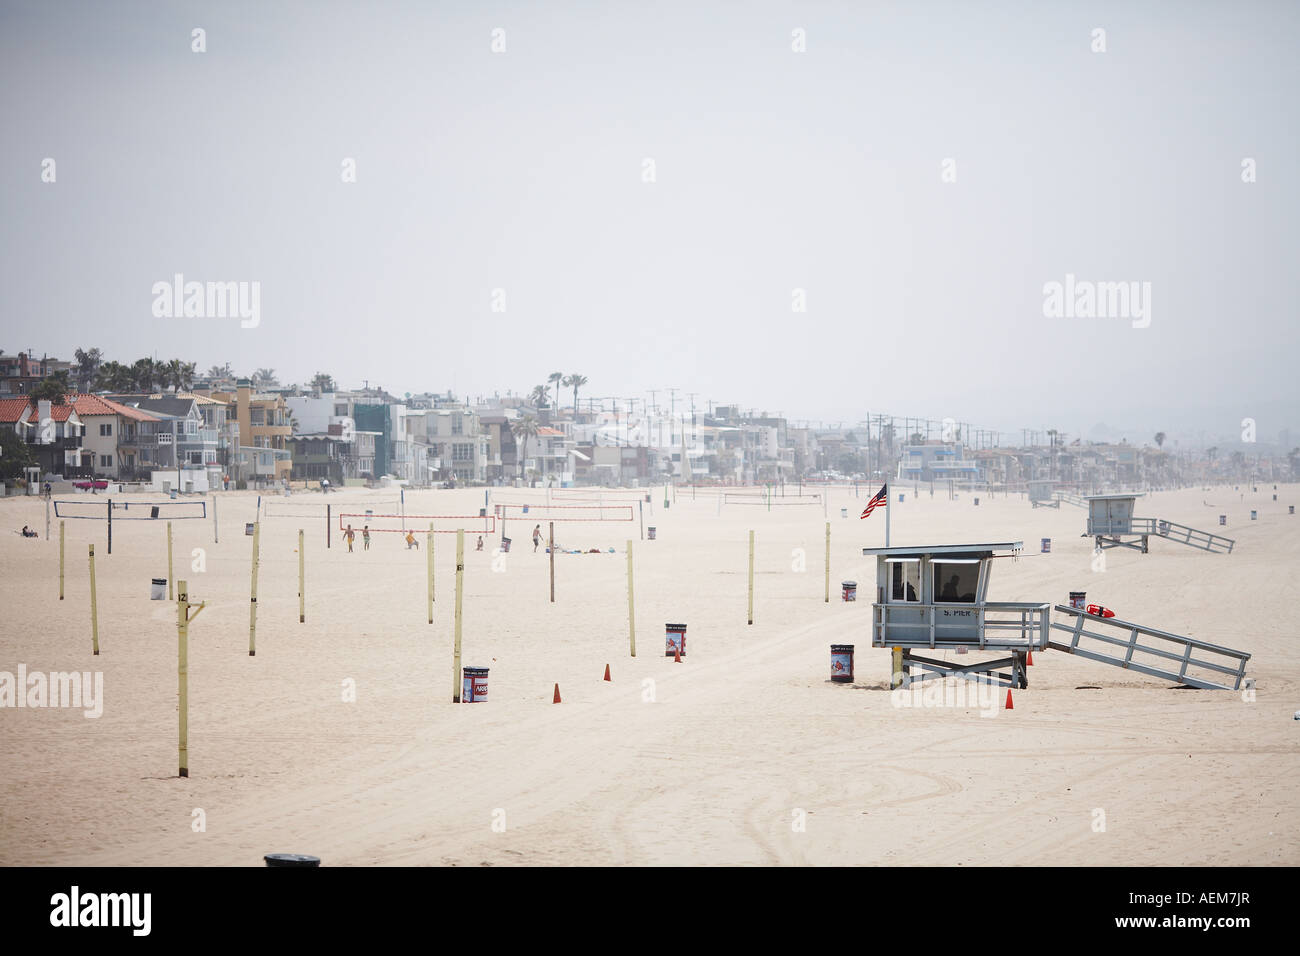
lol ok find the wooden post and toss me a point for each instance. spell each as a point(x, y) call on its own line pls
point(183, 674)
point(552, 550)
point(640, 510)
point(215, 539)
point(828, 562)
point(751, 577)
point(896, 675)
point(302, 581)
point(460, 591)
point(169, 560)
point(110, 525)
point(631, 610)
point(47, 519)
point(428, 547)
point(61, 543)
point(328, 527)
point(94, 609)
point(252, 601)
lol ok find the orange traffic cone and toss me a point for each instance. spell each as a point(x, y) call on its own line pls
point(1010, 706)
point(606, 672)
point(557, 694)
point(677, 656)
point(1029, 660)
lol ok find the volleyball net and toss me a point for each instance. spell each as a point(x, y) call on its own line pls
point(165, 510)
point(747, 498)
point(545, 512)
point(418, 524)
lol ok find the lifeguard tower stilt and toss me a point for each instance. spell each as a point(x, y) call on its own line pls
point(933, 599)
point(1111, 522)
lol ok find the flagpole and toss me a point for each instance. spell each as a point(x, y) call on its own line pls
point(888, 508)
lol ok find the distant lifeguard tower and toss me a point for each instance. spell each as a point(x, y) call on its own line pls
point(1040, 493)
point(1112, 523)
point(934, 599)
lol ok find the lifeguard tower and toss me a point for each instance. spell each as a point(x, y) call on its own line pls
point(1111, 521)
point(934, 599)
point(1040, 493)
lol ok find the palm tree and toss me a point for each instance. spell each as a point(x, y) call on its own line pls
point(575, 381)
point(1160, 439)
point(523, 429)
point(53, 387)
point(557, 378)
point(144, 372)
point(114, 377)
point(265, 378)
point(539, 396)
point(172, 374)
point(88, 364)
point(323, 382)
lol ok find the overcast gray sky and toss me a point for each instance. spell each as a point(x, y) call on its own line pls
point(775, 170)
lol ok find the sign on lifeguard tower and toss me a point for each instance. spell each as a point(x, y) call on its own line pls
point(935, 598)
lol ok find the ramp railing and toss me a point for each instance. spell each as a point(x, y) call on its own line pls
point(1194, 537)
point(1110, 631)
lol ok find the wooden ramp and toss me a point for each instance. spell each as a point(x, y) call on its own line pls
point(1112, 534)
point(1119, 642)
point(1191, 536)
point(1075, 500)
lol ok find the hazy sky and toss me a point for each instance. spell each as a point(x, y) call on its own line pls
point(775, 170)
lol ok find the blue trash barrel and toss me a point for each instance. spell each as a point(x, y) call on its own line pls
point(1046, 546)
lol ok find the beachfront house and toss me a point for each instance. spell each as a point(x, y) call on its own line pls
point(52, 432)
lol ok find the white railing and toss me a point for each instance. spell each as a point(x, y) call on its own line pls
point(996, 625)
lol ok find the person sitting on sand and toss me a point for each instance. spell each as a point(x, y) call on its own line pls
point(28, 532)
point(411, 542)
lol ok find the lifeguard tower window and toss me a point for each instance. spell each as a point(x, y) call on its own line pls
point(904, 580)
point(956, 581)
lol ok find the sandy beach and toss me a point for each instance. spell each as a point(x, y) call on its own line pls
point(744, 753)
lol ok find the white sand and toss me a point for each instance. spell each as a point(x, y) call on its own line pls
point(742, 735)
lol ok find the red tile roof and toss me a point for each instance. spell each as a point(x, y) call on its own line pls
point(549, 432)
point(98, 405)
point(23, 410)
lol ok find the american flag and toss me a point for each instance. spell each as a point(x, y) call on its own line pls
point(881, 499)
